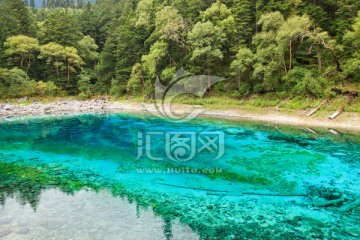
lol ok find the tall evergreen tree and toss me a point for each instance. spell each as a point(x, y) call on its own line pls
point(32, 3)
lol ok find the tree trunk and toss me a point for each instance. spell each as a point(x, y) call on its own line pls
point(68, 73)
point(291, 55)
point(239, 81)
point(284, 65)
point(22, 61)
point(338, 67)
point(319, 59)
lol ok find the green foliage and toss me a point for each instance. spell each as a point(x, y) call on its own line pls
point(221, 16)
point(136, 82)
point(152, 60)
point(117, 88)
point(206, 40)
point(88, 50)
point(144, 13)
point(169, 25)
point(84, 86)
point(15, 83)
point(352, 41)
point(63, 28)
point(241, 68)
point(304, 83)
point(53, 53)
point(22, 46)
point(120, 47)
point(44, 89)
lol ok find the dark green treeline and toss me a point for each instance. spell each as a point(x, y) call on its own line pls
point(118, 47)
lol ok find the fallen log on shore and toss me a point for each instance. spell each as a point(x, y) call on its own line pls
point(318, 107)
point(281, 103)
point(338, 112)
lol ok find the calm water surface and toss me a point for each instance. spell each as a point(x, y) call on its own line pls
point(122, 176)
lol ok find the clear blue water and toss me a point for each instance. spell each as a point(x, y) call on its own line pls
point(175, 181)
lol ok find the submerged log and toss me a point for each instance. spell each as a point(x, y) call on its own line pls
point(350, 206)
point(222, 193)
point(318, 107)
point(310, 130)
point(333, 131)
point(338, 112)
point(328, 203)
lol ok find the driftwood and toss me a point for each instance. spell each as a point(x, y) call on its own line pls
point(310, 130)
point(318, 107)
point(306, 111)
point(350, 206)
point(333, 131)
point(328, 203)
point(255, 194)
point(229, 193)
point(191, 188)
point(338, 112)
point(281, 103)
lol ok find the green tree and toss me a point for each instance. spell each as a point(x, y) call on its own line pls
point(63, 58)
point(88, 50)
point(352, 41)
point(206, 41)
point(295, 28)
point(15, 83)
point(136, 82)
point(220, 15)
point(242, 68)
point(32, 3)
point(54, 54)
point(73, 61)
point(145, 13)
point(84, 86)
point(269, 67)
point(244, 21)
point(169, 25)
point(302, 81)
point(63, 28)
point(22, 46)
point(80, 4)
point(151, 61)
point(14, 20)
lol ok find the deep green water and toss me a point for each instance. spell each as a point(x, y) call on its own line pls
point(63, 177)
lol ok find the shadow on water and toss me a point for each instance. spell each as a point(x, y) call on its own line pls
point(59, 190)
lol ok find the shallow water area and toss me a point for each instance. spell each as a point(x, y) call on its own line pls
point(140, 176)
point(85, 215)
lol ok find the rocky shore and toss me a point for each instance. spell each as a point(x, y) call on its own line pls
point(346, 122)
point(57, 106)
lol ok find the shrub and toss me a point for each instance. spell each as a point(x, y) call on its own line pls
point(135, 83)
point(301, 81)
point(46, 89)
point(84, 86)
point(16, 83)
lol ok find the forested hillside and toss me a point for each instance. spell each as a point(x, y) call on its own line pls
point(117, 47)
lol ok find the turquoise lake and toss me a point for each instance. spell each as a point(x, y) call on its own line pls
point(129, 176)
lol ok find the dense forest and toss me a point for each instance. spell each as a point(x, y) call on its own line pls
point(119, 47)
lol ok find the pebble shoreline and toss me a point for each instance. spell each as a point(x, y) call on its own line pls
point(346, 122)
